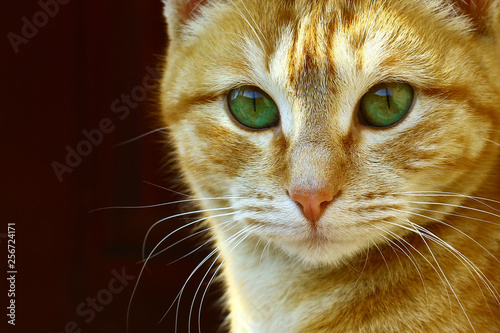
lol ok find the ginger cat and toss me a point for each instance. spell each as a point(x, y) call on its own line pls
point(346, 153)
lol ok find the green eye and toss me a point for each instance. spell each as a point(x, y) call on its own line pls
point(386, 103)
point(253, 108)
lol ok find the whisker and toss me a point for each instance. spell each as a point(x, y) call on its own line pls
point(448, 225)
point(450, 194)
point(479, 273)
point(259, 240)
point(179, 295)
point(162, 204)
point(468, 264)
point(249, 24)
point(192, 235)
point(429, 235)
point(440, 273)
point(141, 136)
point(210, 240)
point(248, 231)
point(423, 237)
point(165, 188)
point(255, 23)
point(408, 254)
point(495, 143)
point(383, 257)
point(151, 255)
point(364, 266)
point(177, 298)
point(267, 246)
point(182, 227)
point(454, 214)
point(214, 251)
point(455, 206)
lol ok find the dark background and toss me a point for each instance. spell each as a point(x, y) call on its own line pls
point(74, 62)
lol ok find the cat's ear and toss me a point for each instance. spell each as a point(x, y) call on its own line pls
point(484, 14)
point(179, 12)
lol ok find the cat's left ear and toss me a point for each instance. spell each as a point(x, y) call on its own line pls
point(179, 12)
point(485, 14)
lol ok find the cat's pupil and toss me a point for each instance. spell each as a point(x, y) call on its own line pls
point(385, 93)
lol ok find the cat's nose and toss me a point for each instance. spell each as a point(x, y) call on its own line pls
point(313, 203)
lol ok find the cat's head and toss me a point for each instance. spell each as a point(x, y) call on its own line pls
point(329, 124)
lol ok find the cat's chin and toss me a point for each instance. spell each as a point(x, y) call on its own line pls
point(316, 251)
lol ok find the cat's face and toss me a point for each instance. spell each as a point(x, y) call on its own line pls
point(325, 122)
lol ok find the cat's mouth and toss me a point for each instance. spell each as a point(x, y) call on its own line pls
point(325, 242)
point(315, 239)
point(317, 249)
point(316, 246)
point(317, 234)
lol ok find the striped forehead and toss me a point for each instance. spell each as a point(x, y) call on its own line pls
point(329, 65)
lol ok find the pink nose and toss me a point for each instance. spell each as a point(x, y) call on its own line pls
point(313, 203)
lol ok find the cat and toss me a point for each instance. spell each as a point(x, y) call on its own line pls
point(346, 155)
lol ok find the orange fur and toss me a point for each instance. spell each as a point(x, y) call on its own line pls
point(411, 239)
